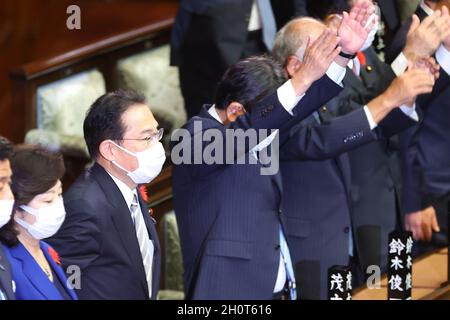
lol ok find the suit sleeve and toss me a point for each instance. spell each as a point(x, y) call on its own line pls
point(329, 139)
point(79, 239)
point(411, 195)
point(267, 115)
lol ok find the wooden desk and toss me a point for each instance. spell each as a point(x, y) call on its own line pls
point(429, 273)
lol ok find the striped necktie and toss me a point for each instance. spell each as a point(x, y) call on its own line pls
point(145, 244)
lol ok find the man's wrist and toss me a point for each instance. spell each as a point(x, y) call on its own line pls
point(409, 55)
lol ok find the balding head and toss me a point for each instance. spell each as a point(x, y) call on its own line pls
point(292, 39)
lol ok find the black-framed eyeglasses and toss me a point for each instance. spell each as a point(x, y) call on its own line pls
point(152, 138)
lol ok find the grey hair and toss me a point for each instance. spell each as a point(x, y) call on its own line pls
point(291, 41)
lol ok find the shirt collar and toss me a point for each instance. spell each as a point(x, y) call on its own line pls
point(355, 62)
point(127, 193)
point(426, 8)
point(213, 113)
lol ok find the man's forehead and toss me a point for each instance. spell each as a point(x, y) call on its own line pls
point(139, 118)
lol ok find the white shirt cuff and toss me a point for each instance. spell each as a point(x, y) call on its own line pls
point(410, 112)
point(336, 73)
point(288, 97)
point(400, 64)
point(372, 122)
point(443, 58)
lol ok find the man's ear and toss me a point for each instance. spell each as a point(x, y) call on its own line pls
point(106, 151)
point(293, 64)
point(234, 110)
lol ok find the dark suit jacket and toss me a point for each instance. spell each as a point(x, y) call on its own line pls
point(31, 282)
point(426, 159)
point(98, 236)
point(215, 29)
point(317, 178)
point(390, 14)
point(229, 215)
point(375, 167)
point(5, 277)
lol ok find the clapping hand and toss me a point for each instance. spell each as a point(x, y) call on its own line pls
point(355, 27)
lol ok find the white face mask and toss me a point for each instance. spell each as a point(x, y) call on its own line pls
point(48, 220)
point(150, 163)
point(372, 33)
point(6, 207)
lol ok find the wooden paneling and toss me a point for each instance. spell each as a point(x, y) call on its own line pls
point(429, 280)
point(35, 30)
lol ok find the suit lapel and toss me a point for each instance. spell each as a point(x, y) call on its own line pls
point(58, 271)
point(34, 274)
point(121, 217)
point(352, 81)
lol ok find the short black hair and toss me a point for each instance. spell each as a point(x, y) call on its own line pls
point(248, 81)
point(6, 149)
point(104, 119)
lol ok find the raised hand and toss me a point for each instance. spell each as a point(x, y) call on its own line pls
point(405, 88)
point(428, 64)
point(355, 27)
point(317, 59)
point(424, 38)
point(402, 91)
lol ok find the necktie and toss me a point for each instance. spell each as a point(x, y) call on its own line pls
point(145, 244)
point(288, 264)
point(269, 27)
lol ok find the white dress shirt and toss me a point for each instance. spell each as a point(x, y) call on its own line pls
point(426, 8)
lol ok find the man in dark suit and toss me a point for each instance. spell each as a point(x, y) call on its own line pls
point(424, 32)
point(375, 167)
point(228, 213)
point(238, 228)
point(315, 165)
point(6, 206)
point(426, 201)
point(108, 232)
point(209, 36)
